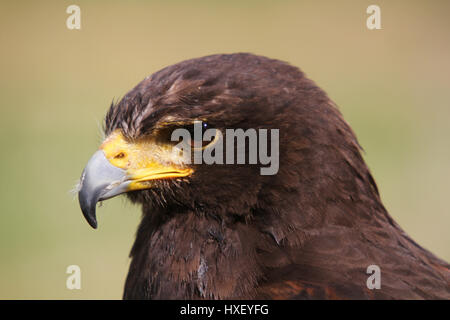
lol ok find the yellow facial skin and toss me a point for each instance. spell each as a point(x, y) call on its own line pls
point(144, 160)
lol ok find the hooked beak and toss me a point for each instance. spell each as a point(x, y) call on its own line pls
point(121, 166)
point(100, 180)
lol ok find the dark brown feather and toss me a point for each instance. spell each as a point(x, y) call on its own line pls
point(309, 232)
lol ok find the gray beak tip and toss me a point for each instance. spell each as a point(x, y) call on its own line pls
point(100, 181)
point(88, 209)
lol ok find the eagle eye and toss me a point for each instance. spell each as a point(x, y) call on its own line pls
point(198, 139)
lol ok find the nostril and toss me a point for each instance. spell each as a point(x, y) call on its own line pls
point(120, 155)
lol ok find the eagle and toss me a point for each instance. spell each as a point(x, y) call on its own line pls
point(313, 230)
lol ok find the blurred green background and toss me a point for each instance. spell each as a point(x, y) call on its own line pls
point(392, 85)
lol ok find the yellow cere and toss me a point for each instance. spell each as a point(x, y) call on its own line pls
point(143, 160)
